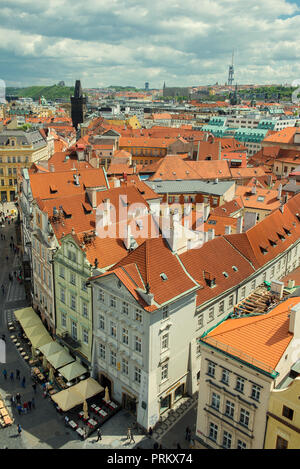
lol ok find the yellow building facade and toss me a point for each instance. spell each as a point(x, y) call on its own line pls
point(18, 149)
point(283, 425)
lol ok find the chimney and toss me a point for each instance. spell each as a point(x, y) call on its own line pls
point(197, 158)
point(253, 190)
point(279, 191)
point(294, 323)
point(227, 230)
point(92, 195)
point(269, 180)
point(211, 233)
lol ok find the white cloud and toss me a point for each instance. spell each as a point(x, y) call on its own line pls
point(131, 41)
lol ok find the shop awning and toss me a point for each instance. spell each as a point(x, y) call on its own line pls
point(24, 313)
point(39, 340)
point(77, 394)
point(51, 348)
point(30, 321)
point(34, 331)
point(72, 371)
point(60, 359)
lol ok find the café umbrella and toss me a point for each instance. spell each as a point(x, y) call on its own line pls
point(106, 397)
point(85, 410)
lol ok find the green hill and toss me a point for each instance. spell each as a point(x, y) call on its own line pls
point(35, 92)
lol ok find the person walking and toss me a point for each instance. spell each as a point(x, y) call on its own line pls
point(23, 382)
point(29, 405)
point(12, 376)
point(19, 429)
point(13, 401)
point(4, 372)
point(18, 375)
point(33, 403)
point(128, 434)
point(187, 433)
point(25, 407)
point(34, 387)
point(19, 409)
point(18, 398)
point(99, 435)
point(131, 437)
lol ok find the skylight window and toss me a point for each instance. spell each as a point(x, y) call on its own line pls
point(164, 276)
point(234, 267)
point(225, 274)
point(260, 198)
point(263, 250)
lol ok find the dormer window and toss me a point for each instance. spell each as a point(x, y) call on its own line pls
point(281, 237)
point(287, 231)
point(225, 274)
point(163, 276)
point(272, 243)
point(210, 279)
point(263, 250)
point(234, 267)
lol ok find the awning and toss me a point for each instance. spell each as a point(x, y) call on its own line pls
point(88, 388)
point(51, 348)
point(60, 359)
point(42, 339)
point(77, 394)
point(72, 371)
point(67, 399)
point(30, 321)
point(34, 331)
point(24, 313)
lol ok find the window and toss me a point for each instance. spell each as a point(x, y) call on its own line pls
point(63, 320)
point(101, 295)
point(84, 310)
point(113, 359)
point(230, 301)
point(165, 312)
point(244, 417)
point(73, 302)
point(125, 336)
point(198, 346)
point(229, 409)
point(137, 375)
point(211, 369)
point(227, 437)
point(62, 295)
point(225, 376)
point(101, 351)
point(255, 393)
point(213, 431)
point(287, 412)
point(83, 285)
point(165, 342)
point(138, 344)
point(243, 292)
point(113, 329)
point(221, 307)
point(240, 383)
point(85, 336)
point(241, 444)
point(72, 278)
point(101, 322)
point(211, 314)
point(281, 443)
point(215, 401)
point(113, 302)
point(125, 307)
point(74, 329)
point(138, 316)
point(124, 366)
point(164, 372)
point(253, 284)
point(71, 256)
point(201, 320)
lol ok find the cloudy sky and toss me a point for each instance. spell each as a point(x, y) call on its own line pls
point(128, 42)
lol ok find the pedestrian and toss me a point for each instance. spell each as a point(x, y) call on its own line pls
point(18, 374)
point(128, 434)
point(19, 429)
point(12, 376)
point(29, 405)
point(13, 401)
point(99, 435)
point(23, 382)
point(131, 437)
point(187, 432)
point(4, 372)
point(67, 420)
point(25, 407)
point(34, 387)
point(19, 409)
point(18, 398)
point(33, 403)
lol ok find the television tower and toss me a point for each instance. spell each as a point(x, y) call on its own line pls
point(231, 72)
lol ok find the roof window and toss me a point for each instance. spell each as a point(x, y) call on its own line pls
point(164, 276)
point(263, 250)
point(234, 267)
point(225, 274)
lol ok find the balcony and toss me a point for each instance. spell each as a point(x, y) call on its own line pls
point(69, 341)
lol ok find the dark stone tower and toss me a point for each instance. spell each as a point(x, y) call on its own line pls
point(78, 103)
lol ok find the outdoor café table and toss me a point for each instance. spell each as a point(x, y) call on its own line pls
point(80, 432)
point(81, 415)
point(112, 404)
point(93, 406)
point(73, 424)
point(92, 423)
point(103, 413)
